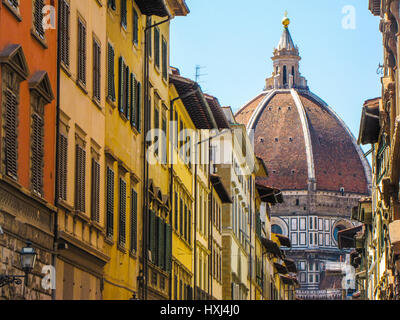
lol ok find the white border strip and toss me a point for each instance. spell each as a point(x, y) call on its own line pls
point(307, 135)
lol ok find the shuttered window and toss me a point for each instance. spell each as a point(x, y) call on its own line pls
point(110, 78)
point(164, 59)
point(10, 134)
point(95, 208)
point(135, 24)
point(185, 223)
point(132, 99)
point(190, 227)
point(168, 247)
point(123, 80)
point(161, 243)
point(64, 32)
point(80, 176)
point(14, 3)
point(122, 213)
point(164, 141)
point(81, 52)
point(37, 149)
point(110, 203)
point(138, 104)
point(133, 221)
point(123, 13)
point(176, 211)
point(152, 235)
point(156, 126)
point(181, 217)
point(96, 70)
point(38, 18)
point(157, 47)
point(62, 166)
point(127, 93)
point(112, 5)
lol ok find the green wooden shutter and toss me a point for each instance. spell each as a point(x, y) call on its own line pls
point(176, 211)
point(181, 216)
point(168, 247)
point(121, 71)
point(185, 224)
point(122, 212)
point(135, 27)
point(127, 92)
point(138, 104)
point(190, 227)
point(161, 243)
point(132, 102)
point(123, 13)
point(152, 231)
point(110, 203)
point(133, 221)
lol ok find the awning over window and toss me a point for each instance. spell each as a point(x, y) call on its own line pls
point(290, 265)
point(285, 241)
point(346, 238)
point(280, 268)
point(289, 280)
point(153, 7)
point(268, 194)
point(370, 126)
point(220, 188)
point(271, 247)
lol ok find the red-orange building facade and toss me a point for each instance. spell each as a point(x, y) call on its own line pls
point(28, 68)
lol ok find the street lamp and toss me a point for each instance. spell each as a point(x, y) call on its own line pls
point(27, 260)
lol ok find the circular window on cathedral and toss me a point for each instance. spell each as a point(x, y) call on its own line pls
point(336, 231)
point(276, 229)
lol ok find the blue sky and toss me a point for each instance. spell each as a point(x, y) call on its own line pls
point(234, 41)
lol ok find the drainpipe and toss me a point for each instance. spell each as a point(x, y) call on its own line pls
point(146, 127)
point(56, 193)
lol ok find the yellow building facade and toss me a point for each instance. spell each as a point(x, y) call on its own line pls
point(81, 218)
point(182, 205)
point(123, 147)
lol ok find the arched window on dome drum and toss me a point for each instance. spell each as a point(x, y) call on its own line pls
point(276, 229)
point(284, 75)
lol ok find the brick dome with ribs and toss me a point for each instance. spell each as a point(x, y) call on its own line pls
point(303, 142)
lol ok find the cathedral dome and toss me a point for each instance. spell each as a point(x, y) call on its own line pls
point(303, 142)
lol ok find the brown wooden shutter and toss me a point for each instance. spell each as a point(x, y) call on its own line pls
point(80, 174)
point(64, 34)
point(96, 70)
point(11, 136)
point(37, 154)
point(81, 52)
point(62, 167)
point(110, 202)
point(95, 214)
point(122, 212)
point(38, 18)
point(111, 80)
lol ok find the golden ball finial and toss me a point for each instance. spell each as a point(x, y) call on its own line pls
point(286, 20)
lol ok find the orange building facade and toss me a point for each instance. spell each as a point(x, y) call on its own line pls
point(28, 68)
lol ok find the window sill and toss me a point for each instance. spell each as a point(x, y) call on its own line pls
point(81, 86)
point(65, 68)
point(97, 226)
point(122, 115)
point(121, 248)
point(82, 216)
point(13, 10)
point(63, 203)
point(97, 103)
point(133, 254)
point(39, 39)
point(111, 102)
point(109, 241)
